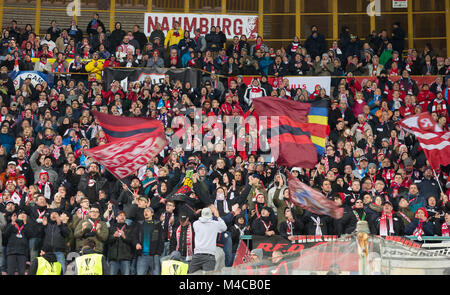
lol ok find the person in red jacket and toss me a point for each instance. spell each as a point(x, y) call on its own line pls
point(408, 108)
point(425, 96)
point(115, 89)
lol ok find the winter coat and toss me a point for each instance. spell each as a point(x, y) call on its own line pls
point(55, 236)
point(428, 227)
point(120, 248)
point(15, 245)
point(99, 236)
point(397, 222)
point(156, 239)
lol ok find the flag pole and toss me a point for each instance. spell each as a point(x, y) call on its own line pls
point(437, 179)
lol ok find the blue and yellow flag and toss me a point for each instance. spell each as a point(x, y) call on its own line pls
point(318, 114)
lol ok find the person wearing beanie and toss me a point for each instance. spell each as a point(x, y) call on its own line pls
point(349, 220)
point(46, 264)
point(92, 182)
point(388, 223)
point(264, 224)
point(292, 225)
point(420, 226)
point(182, 240)
point(120, 247)
point(206, 229)
point(91, 261)
point(55, 233)
point(16, 237)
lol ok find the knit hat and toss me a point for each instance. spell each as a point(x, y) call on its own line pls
point(43, 172)
point(423, 210)
point(206, 213)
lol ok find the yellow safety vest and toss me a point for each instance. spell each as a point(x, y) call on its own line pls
point(174, 267)
point(89, 264)
point(46, 268)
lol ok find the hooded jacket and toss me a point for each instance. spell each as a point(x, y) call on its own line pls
point(206, 230)
point(50, 257)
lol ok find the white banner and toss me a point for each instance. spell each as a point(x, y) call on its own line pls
point(399, 3)
point(310, 83)
point(231, 25)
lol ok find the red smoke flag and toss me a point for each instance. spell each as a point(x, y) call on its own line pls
point(434, 141)
point(133, 142)
point(288, 130)
point(242, 254)
point(312, 200)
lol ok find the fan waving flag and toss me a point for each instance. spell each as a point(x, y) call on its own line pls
point(434, 141)
point(131, 145)
point(296, 130)
point(312, 200)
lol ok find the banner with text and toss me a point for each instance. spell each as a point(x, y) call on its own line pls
point(231, 25)
point(157, 75)
point(295, 82)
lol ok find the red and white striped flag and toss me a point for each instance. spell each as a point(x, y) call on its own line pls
point(434, 141)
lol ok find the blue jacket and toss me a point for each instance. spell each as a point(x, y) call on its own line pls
point(7, 141)
point(427, 227)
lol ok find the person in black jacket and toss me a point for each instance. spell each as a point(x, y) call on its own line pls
point(116, 37)
point(55, 234)
point(265, 225)
point(149, 244)
point(398, 37)
point(214, 40)
point(347, 224)
point(292, 226)
point(236, 230)
point(120, 246)
point(92, 182)
point(36, 213)
point(94, 24)
point(317, 225)
point(183, 238)
point(17, 234)
point(388, 223)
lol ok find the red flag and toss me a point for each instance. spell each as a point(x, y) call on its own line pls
point(312, 200)
point(119, 128)
point(242, 254)
point(131, 147)
point(288, 131)
point(433, 140)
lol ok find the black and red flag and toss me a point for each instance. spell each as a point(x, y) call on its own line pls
point(132, 142)
point(289, 131)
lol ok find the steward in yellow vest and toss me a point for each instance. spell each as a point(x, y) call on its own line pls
point(90, 262)
point(46, 265)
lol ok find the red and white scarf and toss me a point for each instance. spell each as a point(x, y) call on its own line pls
point(418, 232)
point(444, 230)
point(189, 239)
point(47, 191)
point(317, 223)
point(383, 225)
point(94, 224)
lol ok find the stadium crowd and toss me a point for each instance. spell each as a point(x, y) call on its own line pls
point(55, 201)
